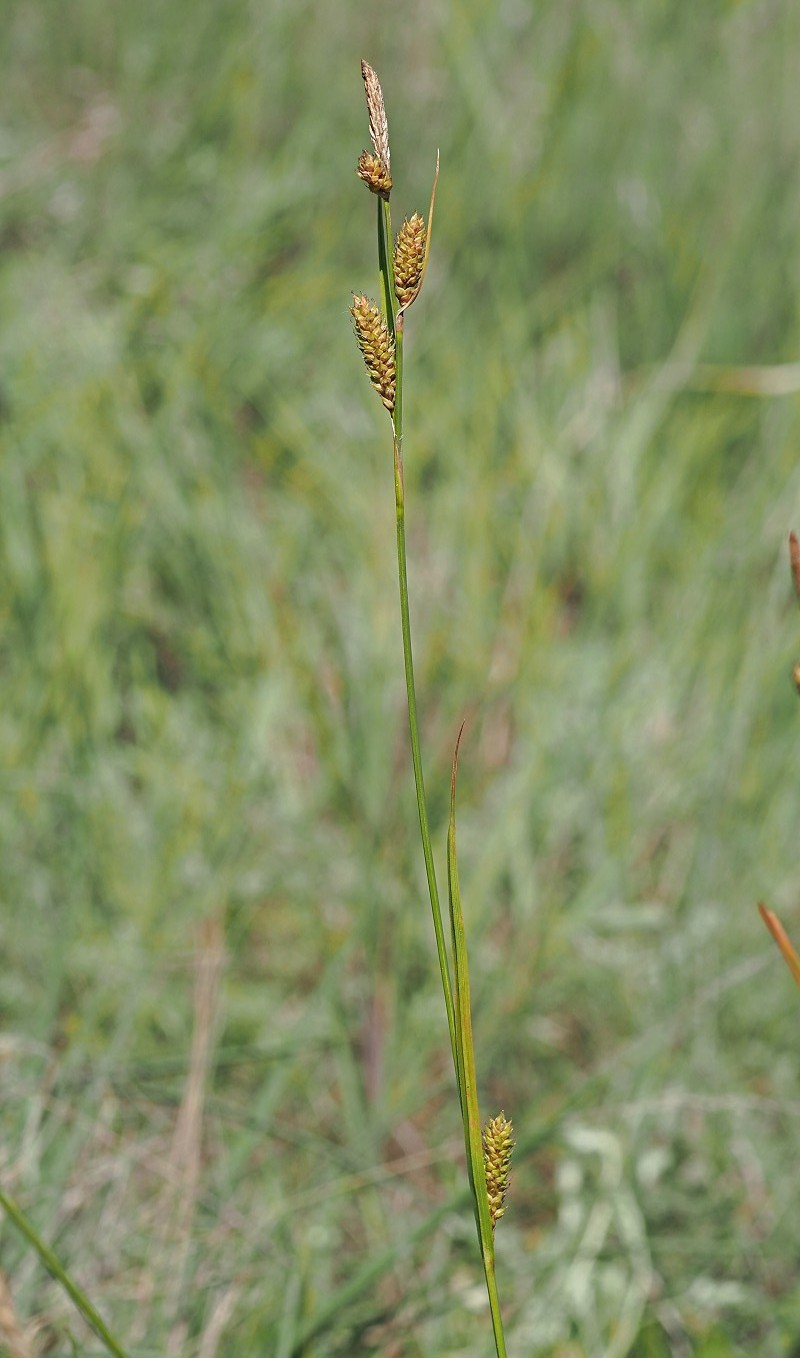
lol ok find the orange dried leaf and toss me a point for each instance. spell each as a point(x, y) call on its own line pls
point(783, 941)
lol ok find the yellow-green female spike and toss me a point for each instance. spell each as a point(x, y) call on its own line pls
point(498, 1143)
point(377, 346)
point(409, 258)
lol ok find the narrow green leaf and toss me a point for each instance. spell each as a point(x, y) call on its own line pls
point(465, 1064)
point(54, 1266)
point(467, 1079)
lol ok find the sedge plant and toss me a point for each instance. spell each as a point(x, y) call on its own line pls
point(379, 328)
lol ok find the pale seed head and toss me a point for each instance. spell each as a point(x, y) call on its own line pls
point(498, 1143)
point(377, 347)
point(375, 174)
point(409, 258)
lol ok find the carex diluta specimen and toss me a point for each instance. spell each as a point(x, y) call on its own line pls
point(379, 328)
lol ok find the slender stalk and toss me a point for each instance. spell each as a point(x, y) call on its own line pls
point(385, 267)
point(467, 1076)
point(54, 1266)
point(416, 757)
point(395, 323)
point(494, 1307)
point(379, 332)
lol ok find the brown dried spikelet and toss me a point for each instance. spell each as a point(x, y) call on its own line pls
point(377, 347)
point(794, 562)
point(409, 258)
point(375, 174)
point(498, 1143)
point(378, 126)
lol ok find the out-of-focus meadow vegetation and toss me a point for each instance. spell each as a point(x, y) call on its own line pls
point(226, 1092)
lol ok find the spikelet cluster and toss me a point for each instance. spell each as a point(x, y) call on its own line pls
point(498, 1143)
point(377, 347)
point(409, 258)
point(375, 174)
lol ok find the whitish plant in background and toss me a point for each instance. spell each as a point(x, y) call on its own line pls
point(769, 917)
point(379, 332)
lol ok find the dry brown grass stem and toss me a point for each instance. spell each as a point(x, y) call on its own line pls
point(187, 1143)
point(13, 1339)
point(221, 1312)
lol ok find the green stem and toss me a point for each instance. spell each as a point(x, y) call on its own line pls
point(457, 1025)
point(467, 1076)
point(385, 249)
point(395, 323)
point(54, 1266)
point(416, 756)
point(494, 1306)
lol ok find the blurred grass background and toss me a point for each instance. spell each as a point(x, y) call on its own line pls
point(226, 1093)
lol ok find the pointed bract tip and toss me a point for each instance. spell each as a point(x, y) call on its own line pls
point(455, 763)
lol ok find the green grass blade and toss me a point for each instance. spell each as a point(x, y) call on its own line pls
point(54, 1266)
point(467, 1079)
